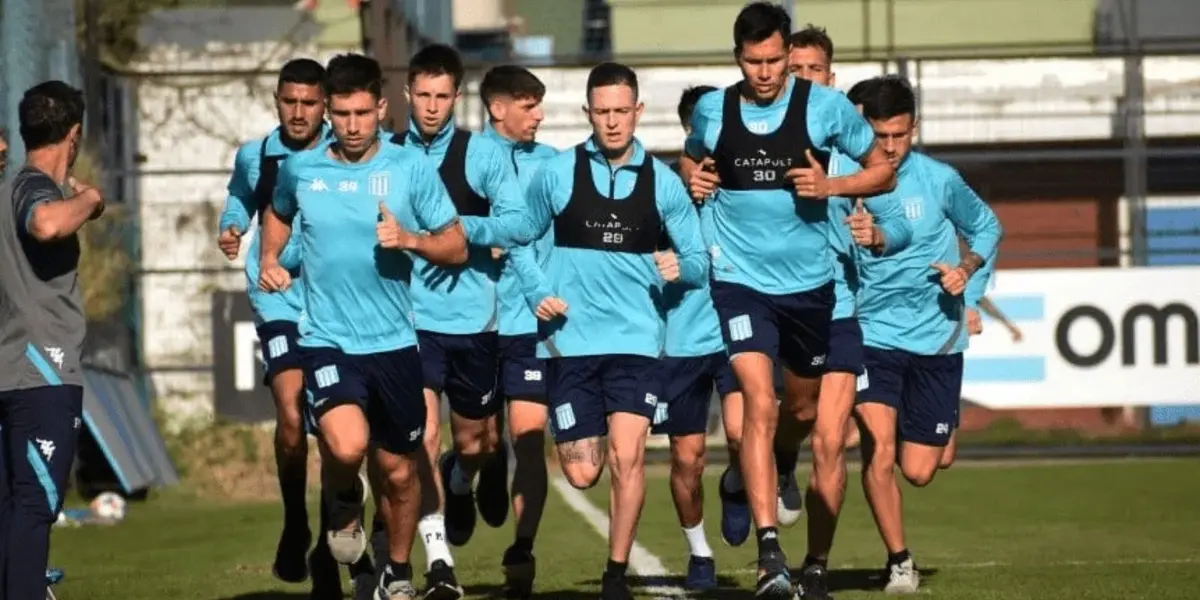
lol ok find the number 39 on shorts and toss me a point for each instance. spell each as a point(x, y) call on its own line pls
point(761, 175)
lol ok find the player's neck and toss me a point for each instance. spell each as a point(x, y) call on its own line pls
point(51, 160)
point(499, 128)
point(339, 153)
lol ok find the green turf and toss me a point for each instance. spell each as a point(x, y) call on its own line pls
point(1068, 531)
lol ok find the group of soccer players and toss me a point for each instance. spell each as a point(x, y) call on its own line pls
point(597, 291)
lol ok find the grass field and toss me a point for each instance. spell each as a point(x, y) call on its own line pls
point(1092, 530)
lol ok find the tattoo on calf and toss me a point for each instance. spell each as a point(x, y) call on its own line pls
point(588, 450)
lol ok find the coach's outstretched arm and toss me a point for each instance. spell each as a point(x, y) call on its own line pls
point(509, 224)
point(46, 216)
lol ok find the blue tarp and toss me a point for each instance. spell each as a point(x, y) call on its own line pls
point(125, 432)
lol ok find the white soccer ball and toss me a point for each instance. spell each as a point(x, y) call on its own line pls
point(109, 505)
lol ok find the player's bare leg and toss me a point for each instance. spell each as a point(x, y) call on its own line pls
point(878, 425)
point(735, 509)
point(291, 465)
point(432, 523)
point(527, 430)
point(797, 417)
point(687, 492)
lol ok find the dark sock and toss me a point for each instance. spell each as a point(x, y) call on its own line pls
point(397, 572)
point(768, 540)
point(377, 524)
point(362, 565)
point(523, 545)
point(295, 508)
point(820, 562)
point(895, 558)
point(785, 460)
point(615, 569)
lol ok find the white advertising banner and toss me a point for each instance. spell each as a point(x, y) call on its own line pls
point(1090, 337)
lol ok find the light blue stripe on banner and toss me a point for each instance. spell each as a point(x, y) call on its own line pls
point(43, 475)
point(1020, 308)
point(1004, 369)
point(43, 367)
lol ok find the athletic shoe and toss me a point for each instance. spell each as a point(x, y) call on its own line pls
point(520, 568)
point(492, 495)
point(291, 554)
point(399, 589)
point(814, 583)
point(460, 509)
point(346, 538)
point(326, 575)
point(790, 503)
point(440, 583)
point(701, 574)
point(903, 578)
point(735, 513)
point(615, 587)
point(774, 582)
point(364, 579)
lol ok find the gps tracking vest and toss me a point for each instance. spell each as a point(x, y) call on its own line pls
point(593, 221)
point(453, 172)
point(749, 161)
point(268, 173)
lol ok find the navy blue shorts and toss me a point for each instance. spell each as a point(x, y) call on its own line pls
point(39, 428)
point(387, 386)
point(277, 340)
point(924, 390)
point(792, 329)
point(522, 373)
point(584, 390)
point(845, 346)
point(688, 384)
point(464, 366)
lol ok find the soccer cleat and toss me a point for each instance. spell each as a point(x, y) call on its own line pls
point(326, 575)
point(440, 583)
point(615, 587)
point(774, 582)
point(460, 509)
point(520, 568)
point(814, 583)
point(346, 538)
point(790, 504)
point(903, 578)
point(364, 579)
point(701, 574)
point(396, 590)
point(735, 514)
point(492, 495)
point(291, 554)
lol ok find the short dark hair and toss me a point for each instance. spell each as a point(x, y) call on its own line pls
point(688, 100)
point(611, 73)
point(303, 71)
point(436, 59)
point(47, 113)
point(890, 96)
point(349, 73)
point(813, 37)
point(513, 81)
point(758, 21)
point(860, 91)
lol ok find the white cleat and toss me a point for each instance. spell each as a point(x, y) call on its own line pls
point(790, 505)
point(903, 578)
point(347, 540)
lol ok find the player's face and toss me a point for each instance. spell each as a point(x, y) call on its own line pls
point(432, 98)
point(74, 141)
point(614, 112)
point(810, 62)
point(518, 117)
point(895, 136)
point(764, 66)
point(3, 154)
point(300, 107)
point(355, 118)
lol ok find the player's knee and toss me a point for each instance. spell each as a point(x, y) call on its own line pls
point(829, 448)
point(687, 460)
point(880, 455)
point(401, 474)
point(348, 448)
point(627, 461)
point(582, 476)
point(919, 475)
point(476, 440)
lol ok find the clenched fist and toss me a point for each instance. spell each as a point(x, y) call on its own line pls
point(954, 279)
point(273, 278)
point(389, 232)
point(862, 226)
point(704, 180)
point(668, 265)
point(550, 308)
point(230, 242)
point(810, 182)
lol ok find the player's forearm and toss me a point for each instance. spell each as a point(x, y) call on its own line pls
point(530, 277)
point(58, 219)
point(693, 267)
point(873, 179)
point(500, 231)
point(235, 214)
point(275, 234)
point(687, 165)
point(446, 248)
point(291, 255)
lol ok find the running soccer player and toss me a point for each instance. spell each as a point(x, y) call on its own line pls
point(300, 105)
point(912, 314)
point(606, 204)
point(975, 302)
point(455, 311)
point(694, 365)
point(774, 291)
point(358, 203)
point(42, 327)
point(513, 98)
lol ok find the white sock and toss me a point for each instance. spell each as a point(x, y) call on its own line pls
point(732, 481)
point(433, 534)
point(460, 484)
point(697, 541)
